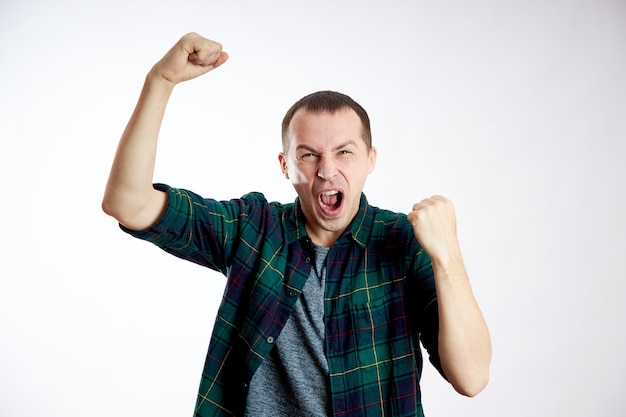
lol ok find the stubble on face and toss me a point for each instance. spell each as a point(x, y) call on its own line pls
point(327, 162)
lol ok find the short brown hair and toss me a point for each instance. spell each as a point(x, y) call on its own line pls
point(327, 102)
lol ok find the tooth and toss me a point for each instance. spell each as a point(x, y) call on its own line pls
point(332, 192)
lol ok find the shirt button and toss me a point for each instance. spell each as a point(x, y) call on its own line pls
point(292, 293)
point(307, 260)
point(270, 340)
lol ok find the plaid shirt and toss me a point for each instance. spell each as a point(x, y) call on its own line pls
point(379, 298)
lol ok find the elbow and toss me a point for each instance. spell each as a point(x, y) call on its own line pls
point(135, 213)
point(471, 387)
point(115, 210)
point(110, 208)
point(106, 206)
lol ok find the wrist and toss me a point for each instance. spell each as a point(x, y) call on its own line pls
point(448, 262)
point(155, 79)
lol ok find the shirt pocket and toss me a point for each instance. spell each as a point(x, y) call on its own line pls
point(380, 334)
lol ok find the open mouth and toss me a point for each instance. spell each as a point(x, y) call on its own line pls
point(330, 201)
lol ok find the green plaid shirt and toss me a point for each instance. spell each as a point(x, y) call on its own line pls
point(379, 300)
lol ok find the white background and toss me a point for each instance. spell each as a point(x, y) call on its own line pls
point(514, 110)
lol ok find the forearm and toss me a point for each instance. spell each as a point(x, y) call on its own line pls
point(464, 341)
point(129, 196)
point(129, 192)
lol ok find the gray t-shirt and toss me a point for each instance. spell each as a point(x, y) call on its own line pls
point(293, 380)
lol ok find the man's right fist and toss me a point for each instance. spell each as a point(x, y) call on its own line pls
point(192, 56)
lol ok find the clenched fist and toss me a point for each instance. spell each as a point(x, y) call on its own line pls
point(434, 224)
point(189, 58)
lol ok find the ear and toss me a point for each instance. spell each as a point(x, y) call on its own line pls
point(372, 159)
point(283, 164)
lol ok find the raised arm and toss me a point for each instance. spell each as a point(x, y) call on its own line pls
point(464, 341)
point(129, 196)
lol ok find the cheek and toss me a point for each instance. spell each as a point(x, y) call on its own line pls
point(358, 176)
point(298, 175)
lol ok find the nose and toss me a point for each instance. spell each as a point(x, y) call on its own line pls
point(327, 169)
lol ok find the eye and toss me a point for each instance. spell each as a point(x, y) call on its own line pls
point(308, 156)
point(344, 152)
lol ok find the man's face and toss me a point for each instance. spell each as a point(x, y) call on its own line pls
point(327, 162)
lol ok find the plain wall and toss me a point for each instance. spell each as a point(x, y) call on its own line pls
point(514, 110)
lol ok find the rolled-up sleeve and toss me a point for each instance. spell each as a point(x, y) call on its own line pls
point(194, 228)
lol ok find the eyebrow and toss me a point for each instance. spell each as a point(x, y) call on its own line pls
point(311, 149)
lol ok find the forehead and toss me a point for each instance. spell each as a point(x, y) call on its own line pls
point(324, 127)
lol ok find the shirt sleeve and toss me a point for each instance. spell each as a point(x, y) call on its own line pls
point(429, 335)
point(200, 230)
point(428, 313)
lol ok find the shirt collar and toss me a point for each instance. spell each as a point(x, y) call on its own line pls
point(358, 230)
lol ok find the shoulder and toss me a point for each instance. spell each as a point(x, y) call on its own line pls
point(392, 236)
point(258, 200)
point(388, 221)
point(191, 204)
point(394, 231)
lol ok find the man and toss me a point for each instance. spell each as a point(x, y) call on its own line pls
point(326, 299)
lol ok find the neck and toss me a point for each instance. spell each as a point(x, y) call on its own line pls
point(323, 238)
